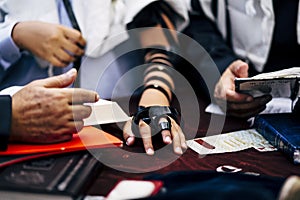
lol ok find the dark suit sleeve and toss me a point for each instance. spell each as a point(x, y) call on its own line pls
point(5, 124)
point(205, 32)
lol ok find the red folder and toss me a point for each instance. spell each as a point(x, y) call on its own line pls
point(88, 138)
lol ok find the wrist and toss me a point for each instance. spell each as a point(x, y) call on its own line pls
point(152, 97)
point(16, 36)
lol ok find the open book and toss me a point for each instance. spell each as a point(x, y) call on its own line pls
point(283, 83)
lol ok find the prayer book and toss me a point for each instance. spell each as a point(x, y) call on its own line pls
point(283, 83)
point(282, 131)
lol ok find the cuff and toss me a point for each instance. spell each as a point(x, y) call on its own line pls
point(5, 124)
point(9, 51)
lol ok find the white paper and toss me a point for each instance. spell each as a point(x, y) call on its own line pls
point(285, 73)
point(276, 105)
point(105, 112)
point(231, 142)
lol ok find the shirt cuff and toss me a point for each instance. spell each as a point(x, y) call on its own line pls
point(5, 124)
point(9, 51)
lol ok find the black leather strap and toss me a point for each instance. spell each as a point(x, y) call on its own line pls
point(75, 25)
point(152, 114)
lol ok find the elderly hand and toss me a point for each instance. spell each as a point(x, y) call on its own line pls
point(237, 104)
point(46, 112)
point(55, 43)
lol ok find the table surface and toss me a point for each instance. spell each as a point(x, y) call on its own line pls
point(132, 163)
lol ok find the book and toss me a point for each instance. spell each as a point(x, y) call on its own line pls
point(282, 83)
point(88, 138)
point(105, 112)
point(60, 177)
point(282, 131)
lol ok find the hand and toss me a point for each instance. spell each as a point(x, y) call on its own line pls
point(46, 112)
point(55, 43)
point(152, 97)
point(174, 136)
point(237, 104)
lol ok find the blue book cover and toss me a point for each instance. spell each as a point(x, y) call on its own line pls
point(282, 131)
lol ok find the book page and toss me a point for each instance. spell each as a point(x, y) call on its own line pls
point(283, 83)
point(285, 73)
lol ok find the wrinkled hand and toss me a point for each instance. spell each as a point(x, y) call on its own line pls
point(46, 112)
point(55, 43)
point(237, 104)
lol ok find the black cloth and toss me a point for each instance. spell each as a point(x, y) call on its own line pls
point(285, 49)
point(217, 186)
point(5, 124)
point(206, 33)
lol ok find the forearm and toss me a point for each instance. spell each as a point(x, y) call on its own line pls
point(159, 39)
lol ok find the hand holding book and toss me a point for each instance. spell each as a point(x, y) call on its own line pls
point(283, 83)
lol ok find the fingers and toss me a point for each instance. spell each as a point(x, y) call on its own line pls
point(145, 132)
point(128, 134)
point(246, 109)
point(233, 96)
point(63, 57)
point(70, 46)
point(74, 36)
point(175, 136)
point(225, 88)
point(79, 95)
point(81, 112)
point(179, 144)
point(73, 49)
point(239, 69)
point(59, 81)
point(166, 134)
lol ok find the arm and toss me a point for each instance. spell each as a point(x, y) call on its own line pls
point(44, 111)
point(54, 43)
point(158, 84)
point(205, 31)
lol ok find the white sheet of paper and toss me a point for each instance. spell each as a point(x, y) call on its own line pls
point(276, 105)
point(230, 142)
point(104, 112)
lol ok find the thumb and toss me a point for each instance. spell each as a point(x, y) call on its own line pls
point(60, 81)
point(240, 69)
